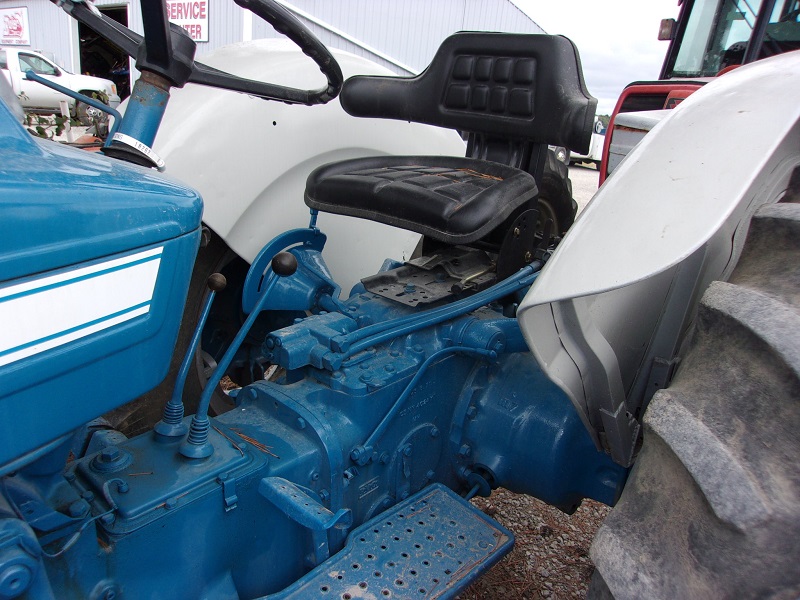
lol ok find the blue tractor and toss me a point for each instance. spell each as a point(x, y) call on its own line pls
point(499, 355)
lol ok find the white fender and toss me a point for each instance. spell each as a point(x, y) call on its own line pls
point(621, 288)
point(249, 158)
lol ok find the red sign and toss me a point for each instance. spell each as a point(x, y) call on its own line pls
point(14, 27)
point(192, 15)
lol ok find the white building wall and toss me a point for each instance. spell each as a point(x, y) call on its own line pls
point(224, 25)
point(402, 35)
point(50, 30)
point(409, 31)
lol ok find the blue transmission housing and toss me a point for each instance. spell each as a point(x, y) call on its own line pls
point(378, 401)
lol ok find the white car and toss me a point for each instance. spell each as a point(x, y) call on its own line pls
point(38, 98)
point(595, 153)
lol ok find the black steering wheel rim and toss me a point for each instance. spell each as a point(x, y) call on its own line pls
point(168, 51)
point(284, 22)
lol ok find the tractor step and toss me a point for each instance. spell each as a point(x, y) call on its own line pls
point(431, 545)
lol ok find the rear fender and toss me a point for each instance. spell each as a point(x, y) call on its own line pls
point(249, 158)
point(607, 316)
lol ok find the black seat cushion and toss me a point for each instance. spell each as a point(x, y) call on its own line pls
point(453, 200)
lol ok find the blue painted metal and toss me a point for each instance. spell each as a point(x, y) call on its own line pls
point(102, 207)
point(140, 348)
point(353, 339)
point(433, 545)
point(21, 567)
point(81, 98)
point(302, 507)
point(544, 451)
point(14, 144)
point(308, 341)
point(523, 279)
point(307, 511)
point(62, 210)
point(381, 405)
point(45, 450)
point(165, 499)
point(196, 444)
point(327, 342)
point(432, 404)
point(363, 453)
point(146, 107)
point(529, 404)
point(171, 423)
point(300, 292)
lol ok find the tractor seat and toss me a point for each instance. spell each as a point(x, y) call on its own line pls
point(454, 200)
point(512, 93)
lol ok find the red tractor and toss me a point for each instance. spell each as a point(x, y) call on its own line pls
point(709, 38)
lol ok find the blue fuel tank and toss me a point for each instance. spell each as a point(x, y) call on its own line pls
point(95, 261)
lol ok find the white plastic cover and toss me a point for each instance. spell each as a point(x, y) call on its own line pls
point(621, 287)
point(249, 158)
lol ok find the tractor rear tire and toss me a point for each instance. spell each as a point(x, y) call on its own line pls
point(712, 506)
point(555, 196)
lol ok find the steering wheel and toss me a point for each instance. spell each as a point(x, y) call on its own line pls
point(167, 49)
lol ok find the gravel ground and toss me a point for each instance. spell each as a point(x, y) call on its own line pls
point(550, 558)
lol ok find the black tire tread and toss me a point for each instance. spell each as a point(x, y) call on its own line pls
point(555, 192)
point(712, 506)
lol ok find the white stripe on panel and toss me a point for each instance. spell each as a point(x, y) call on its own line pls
point(70, 337)
point(50, 311)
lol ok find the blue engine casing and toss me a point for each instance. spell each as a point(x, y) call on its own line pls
point(219, 527)
point(378, 400)
point(95, 260)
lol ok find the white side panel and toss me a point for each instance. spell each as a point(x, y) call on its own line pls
point(629, 129)
point(250, 158)
point(684, 181)
point(620, 289)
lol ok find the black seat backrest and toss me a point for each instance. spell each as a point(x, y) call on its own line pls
point(513, 94)
point(516, 87)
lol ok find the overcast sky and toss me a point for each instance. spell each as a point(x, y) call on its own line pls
point(617, 39)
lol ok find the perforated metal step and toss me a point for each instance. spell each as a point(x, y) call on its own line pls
point(430, 546)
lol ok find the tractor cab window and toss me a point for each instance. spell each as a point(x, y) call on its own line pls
point(783, 30)
point(29, 62)
point(719, 32)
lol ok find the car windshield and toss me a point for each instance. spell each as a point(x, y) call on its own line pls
point(29, 62)
point(718, 33)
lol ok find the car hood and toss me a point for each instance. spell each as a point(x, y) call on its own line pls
point(89, 82)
